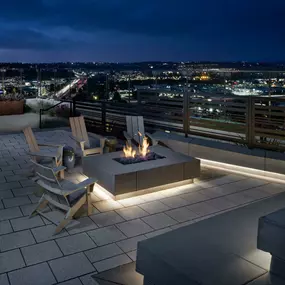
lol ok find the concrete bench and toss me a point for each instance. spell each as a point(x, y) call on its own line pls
point(224, 152)
point(220, 250)
point(271, 238)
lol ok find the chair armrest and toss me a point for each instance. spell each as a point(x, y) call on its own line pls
point(58, 169)
point(50, 145)
point(153, 140)
point(80, 186)
point(77, 139)
point(99, 137)
point(43, 154)
point(80, 142)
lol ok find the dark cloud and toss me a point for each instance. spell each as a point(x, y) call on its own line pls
point(235, 29)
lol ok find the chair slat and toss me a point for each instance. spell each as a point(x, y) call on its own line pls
point(72, 125)
point(84, 131)
point(135, 125)
point(140, 123)
point(31, 140)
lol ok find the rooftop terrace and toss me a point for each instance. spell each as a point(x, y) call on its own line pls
point(30, 254)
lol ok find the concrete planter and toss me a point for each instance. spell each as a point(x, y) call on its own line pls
point(11, 107)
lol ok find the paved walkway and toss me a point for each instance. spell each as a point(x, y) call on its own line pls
point(31, 255)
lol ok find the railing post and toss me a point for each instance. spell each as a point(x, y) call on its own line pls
point(250, 122)
point(186, 113)
point(40, 123)
point(139, 103)
point(103, 115)
point(73, 107)
point(70, 109)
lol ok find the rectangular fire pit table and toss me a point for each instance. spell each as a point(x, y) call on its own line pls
point(118, 179)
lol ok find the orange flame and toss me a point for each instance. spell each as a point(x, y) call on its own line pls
point(143, 149)
point(129, 151)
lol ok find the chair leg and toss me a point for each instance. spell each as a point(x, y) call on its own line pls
point(68, 217)
point(89, 203)
point(41, 205)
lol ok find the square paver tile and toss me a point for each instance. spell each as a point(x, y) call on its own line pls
point(103, 252)
point(75, 243)
point(6, 194)
point(159, 221)
point(75, 281)
point(88, 279)
point(12, 213)
point(131, 243)
point(213, 192)
point(15, 178)
point(5, 227)
point(11, 260)
point(134, 228)
point(158, 232)
point(25, 191)
point(181, 214)
point(112, 262)
point(85, 224)
point(39, 274)
point(41, 252)
point(239, 198)
point(153, 196)
point(194, 197)
point(26, 183)
point(18, 201)
point(203, 209)
point(10, 185)
point(4, 279)
point(257, 193)
point(154, 207)
point(28, 209)
point(24, 223)
point(132, 255)
point(15, 240)
point(174, 202)
point(273, 188)
point(221, 203)
point(106, 235)
point(131, 201)
point(107, 219)
point(70, 266)
point(107, 205)
point(133, 212)
point(47, 233)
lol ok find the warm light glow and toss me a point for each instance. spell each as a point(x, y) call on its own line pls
point(129, 151)
point(252, 172)
point(143, 149)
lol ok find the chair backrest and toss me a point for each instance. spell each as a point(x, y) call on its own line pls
point(48, 178)
point(78, 129)
point(135, 128)
point(31, 140)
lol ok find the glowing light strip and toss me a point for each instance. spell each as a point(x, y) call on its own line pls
point(261, 174)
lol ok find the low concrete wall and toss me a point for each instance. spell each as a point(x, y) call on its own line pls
point(225, 152)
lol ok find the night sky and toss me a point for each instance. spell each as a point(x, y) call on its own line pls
point(136, 30)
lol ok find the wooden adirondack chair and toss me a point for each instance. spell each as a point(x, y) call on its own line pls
point(62, 194)
point(136, 132)
point(86, 141)
point(38, 154)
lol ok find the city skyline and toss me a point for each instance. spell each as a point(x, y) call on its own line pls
point(128, 31)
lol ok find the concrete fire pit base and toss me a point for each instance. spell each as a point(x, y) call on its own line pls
point(117, 179)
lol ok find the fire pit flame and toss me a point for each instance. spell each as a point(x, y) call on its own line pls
point(143, 149)
point(129, 151)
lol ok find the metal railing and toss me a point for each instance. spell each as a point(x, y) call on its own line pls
point(244, 120)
